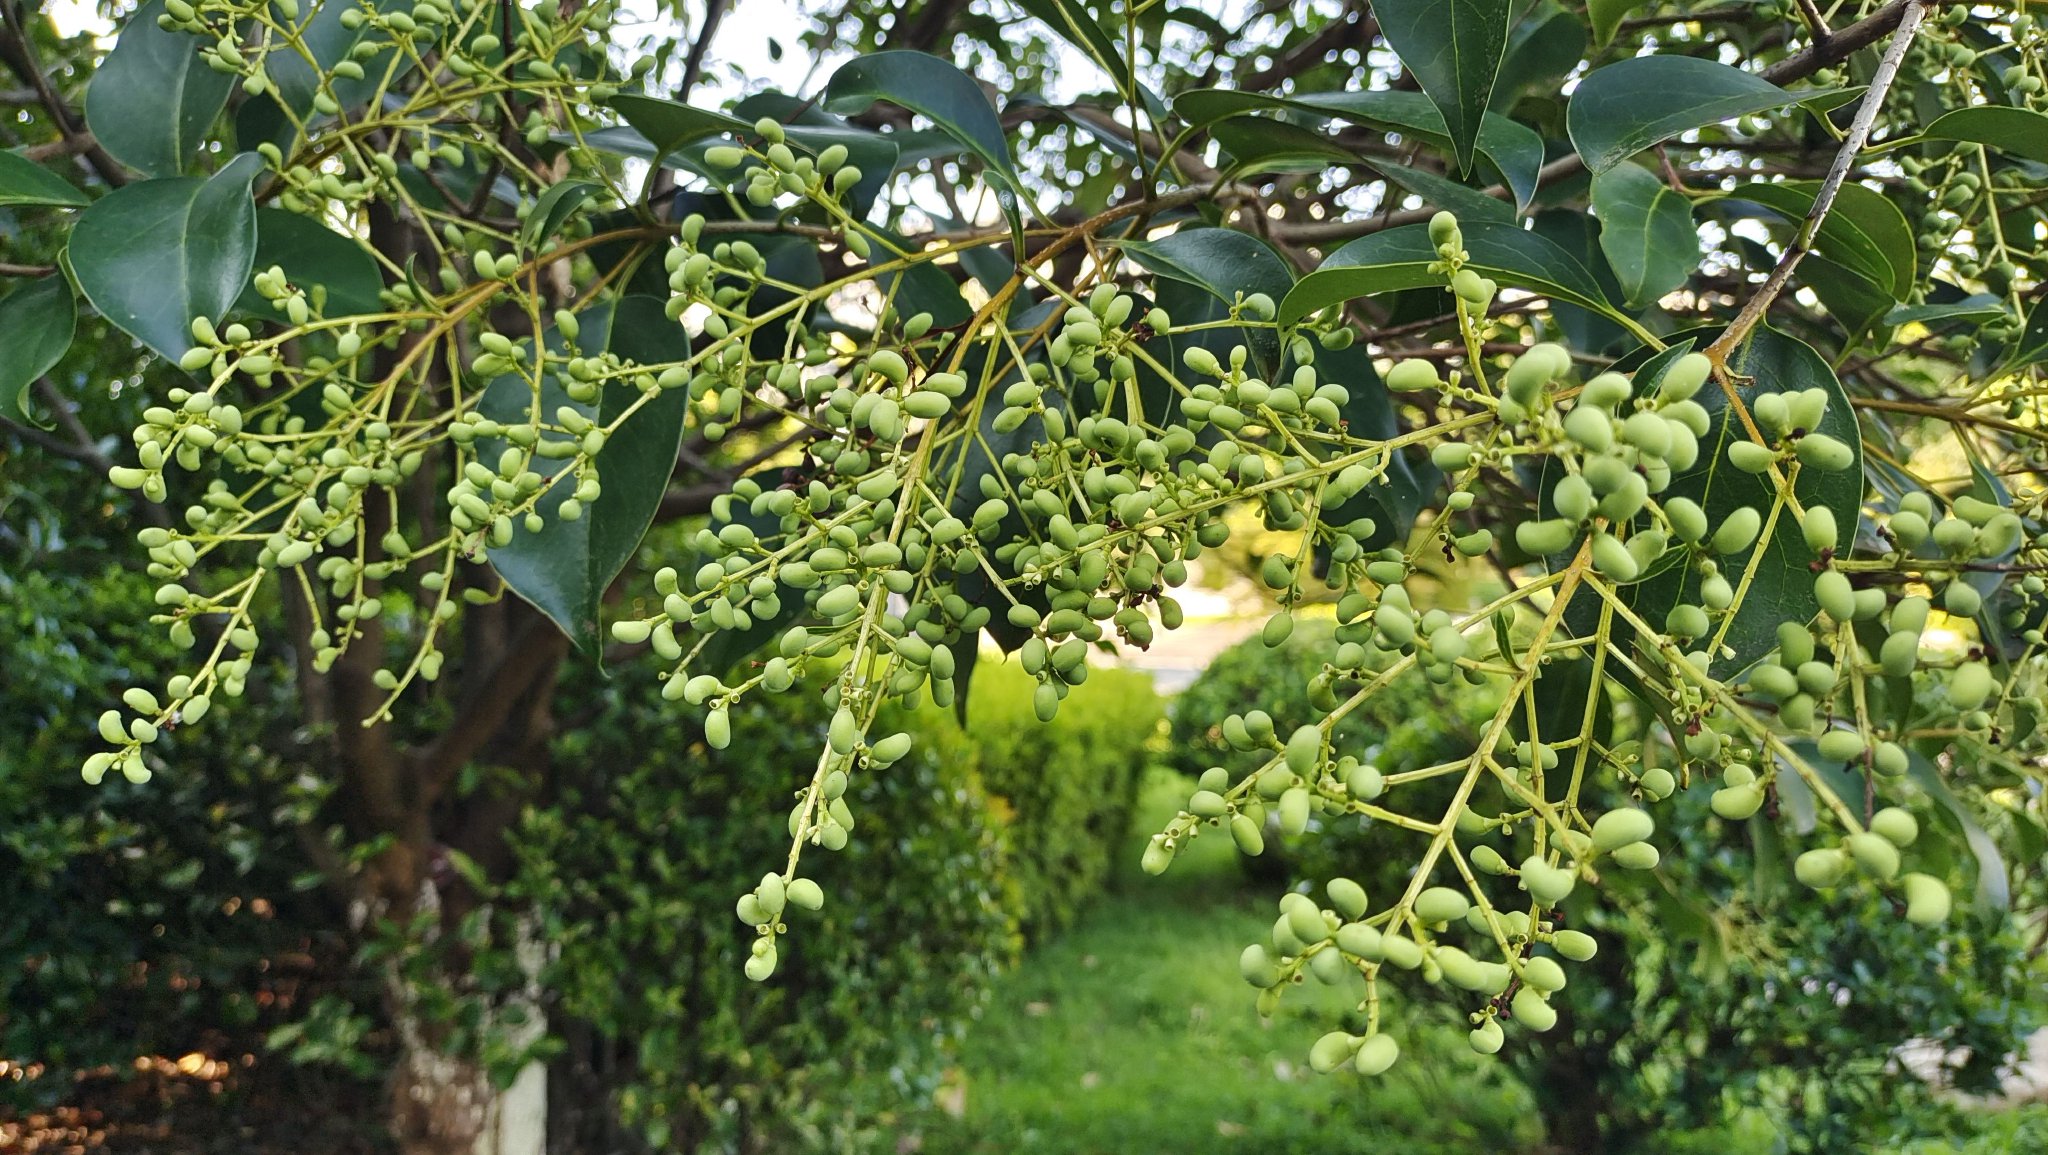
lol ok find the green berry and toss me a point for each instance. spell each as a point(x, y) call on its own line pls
point(1836, 597)
point(1822, 452)
point(1896, 826)
point(1875, 854)
point(1577, 946)
point(1820, 869)
point(1736, 803)
point(1441, 904)
point(1375, 1055)
point(1533, 1011)
point(1927, 900)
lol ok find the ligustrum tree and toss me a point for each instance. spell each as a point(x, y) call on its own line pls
point(1713, 335)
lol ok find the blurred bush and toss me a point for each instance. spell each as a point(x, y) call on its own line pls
point(159, 919)
point(1409, 725)
point(1063, 791)
point(1719, 986)
point(1404, 728)
point(186, 914)
point(632, 883)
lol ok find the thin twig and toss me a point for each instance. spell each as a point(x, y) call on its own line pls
point(1845, 159)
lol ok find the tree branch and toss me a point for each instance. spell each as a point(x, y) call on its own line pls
point(18, 51)
point(1845, 159)
point(531, 653)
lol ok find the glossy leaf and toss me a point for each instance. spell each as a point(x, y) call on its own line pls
point(565, 569)
point(24, 182)
point(1453, 48)
point(948, 97)
point(668, 125)
point(1606, 16)
point(1855, 301)
point(1768, 361)
point(1543, 49)
point(1863, 230)
point(1624, 108)
point(2013, 131)
point(553, 208)
point(1976, 307)
point(154, 254)
point(1646, 232)
point(1224, 263)
point(1401, 258)
point(1440, 192)
point(1512, 147)
point(312, 254)
point(153, 99)
point(1263, 144)
point(38, 320)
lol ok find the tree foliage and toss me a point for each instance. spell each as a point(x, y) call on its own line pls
point(1712, 336)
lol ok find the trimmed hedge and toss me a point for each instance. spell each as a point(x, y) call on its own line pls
point(1064, 791)
point(156, 919)
point(634, 880)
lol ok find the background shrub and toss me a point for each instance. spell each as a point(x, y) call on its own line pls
point(1063, 791)
point(633, 883)
point(160, 919)
point(1715, 992)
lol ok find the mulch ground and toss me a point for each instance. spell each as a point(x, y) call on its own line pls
point(200, 1106)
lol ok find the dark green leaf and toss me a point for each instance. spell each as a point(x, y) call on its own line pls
point(1578, 234)
point(1223, 263)
point(1072, 22)
point(919, 288)
point(1606, 16)
point(1849, 295)
point(1401, 259)
point(1624, 108)
point(1453, 48)
point(565, 569)
point(1444, 193)
point(1646, 231)
point(153, 99)
point(948, 97)
point(1767, 362)
point(1977, 307)
point(313, 254)
point(24, 182)
point(553, 208)
point(1513, 148)
point(37, 319)
point(1994, 889)
point(669, 126)
point(153, 255)
point(1263, 144)
point(328, 43)
point(1542, 50)
point(1863, 230)
point(2014, 131)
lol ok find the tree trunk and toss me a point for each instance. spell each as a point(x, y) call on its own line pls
point(441, 1104)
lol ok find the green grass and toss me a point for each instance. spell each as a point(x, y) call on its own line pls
point(1132, 1034)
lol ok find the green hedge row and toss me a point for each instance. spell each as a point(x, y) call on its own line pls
point(1063, 790)
point(183, 915)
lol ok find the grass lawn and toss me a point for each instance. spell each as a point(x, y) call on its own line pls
point(1132, 1033)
